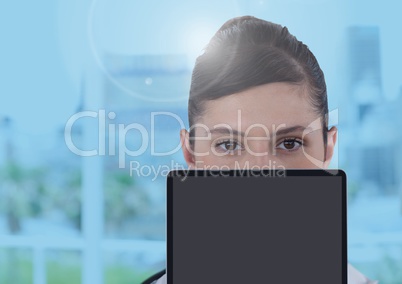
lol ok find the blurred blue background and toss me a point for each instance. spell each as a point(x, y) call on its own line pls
point(65, 218)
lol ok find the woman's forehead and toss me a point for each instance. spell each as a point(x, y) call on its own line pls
point(270, 104)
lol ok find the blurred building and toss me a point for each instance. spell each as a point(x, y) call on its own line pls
point(152, 91)
point(5, 140)
point(147, 92)
point(373, 148)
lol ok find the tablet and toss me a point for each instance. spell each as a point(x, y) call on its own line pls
point(272, 226)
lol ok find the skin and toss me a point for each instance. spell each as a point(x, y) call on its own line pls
point(243, 130)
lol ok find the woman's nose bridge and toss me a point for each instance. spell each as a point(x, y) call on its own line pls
point(262, 159)
point(259, 153)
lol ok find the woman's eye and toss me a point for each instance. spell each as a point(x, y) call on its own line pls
point(290, 144)
point(228, 146)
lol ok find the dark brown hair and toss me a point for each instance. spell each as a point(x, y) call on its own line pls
point(247, 52)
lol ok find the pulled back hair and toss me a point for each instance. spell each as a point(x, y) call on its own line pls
point(247, 52)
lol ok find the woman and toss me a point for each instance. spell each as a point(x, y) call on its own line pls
point(258, 99)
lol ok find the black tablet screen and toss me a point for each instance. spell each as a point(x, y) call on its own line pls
point(256, 230)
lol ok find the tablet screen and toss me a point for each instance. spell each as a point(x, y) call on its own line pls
point(257, 229)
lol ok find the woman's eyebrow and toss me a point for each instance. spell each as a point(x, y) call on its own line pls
point(280, 131)
point(287, 130)
point(224, 130)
